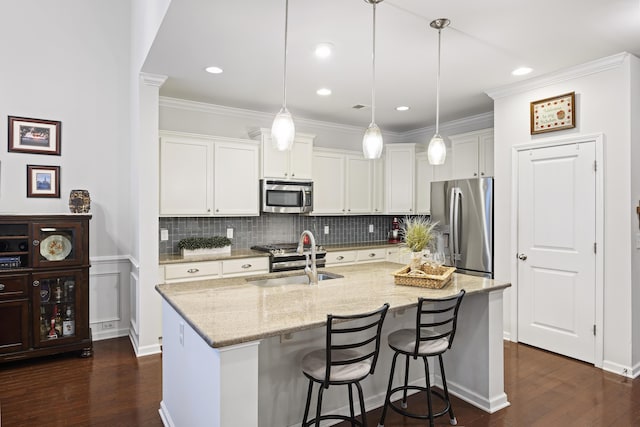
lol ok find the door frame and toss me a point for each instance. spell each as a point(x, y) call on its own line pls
point(598, 138)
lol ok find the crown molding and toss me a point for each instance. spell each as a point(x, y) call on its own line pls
point(592, 67)
point(153, 79)
point(479, 121)
point(203, 107)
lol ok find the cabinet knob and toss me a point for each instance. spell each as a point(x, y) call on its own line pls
point(348, 210)
point(482, 173)
point(1, 286)
point(372, 254)
point(192, 270)
point(293, 174)
point(217, 210)
point(475, 174)
point(36, 283)
point(36, 242)
point(208, 210)
point(286, 174)
point(340, 258)
point(246, 265)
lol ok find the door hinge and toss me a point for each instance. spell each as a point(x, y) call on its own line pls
point(595, 166)
point(594, 330)
point(595, 247)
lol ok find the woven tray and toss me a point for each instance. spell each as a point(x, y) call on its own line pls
point(432, 277)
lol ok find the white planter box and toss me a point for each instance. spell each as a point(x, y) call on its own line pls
point(206, 251)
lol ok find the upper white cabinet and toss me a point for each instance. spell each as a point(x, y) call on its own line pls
point(290, 164)
point(202, 175)
point(400, 178)
point(342, 183)
point(424, 177)
point(472, 154)
point(378, 185)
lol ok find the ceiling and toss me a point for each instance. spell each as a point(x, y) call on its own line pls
point(486, 40)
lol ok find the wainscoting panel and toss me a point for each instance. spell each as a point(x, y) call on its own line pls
point(109, 297)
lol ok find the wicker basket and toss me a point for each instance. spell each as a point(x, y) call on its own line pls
point(431, 277)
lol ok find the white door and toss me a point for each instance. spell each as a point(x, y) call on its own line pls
point(556, 249)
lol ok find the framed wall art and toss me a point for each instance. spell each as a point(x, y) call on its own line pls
point(43, 181)
point(555, 113)
point(34, 135)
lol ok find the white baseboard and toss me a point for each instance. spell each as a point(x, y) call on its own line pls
point(165, 416)
point(108, 334)
point(147, 350)
point(616, 368)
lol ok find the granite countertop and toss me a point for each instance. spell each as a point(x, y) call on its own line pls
point(361, 245)
point(231, 311)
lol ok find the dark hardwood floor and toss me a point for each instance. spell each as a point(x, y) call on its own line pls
point(114, 388)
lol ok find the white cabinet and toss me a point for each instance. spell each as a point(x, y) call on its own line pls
point(472, 154)
point(328, 182)
point(290, 164)
point(236, 190)
point(340, 257)
point(368, 255)
point(356, 256)
point(378, 186)
point(215, 269)
point(186, 176)
point(424, 177)
point(400, 178)
point(245, 266)
point(203, 175)
point(342, 183)
point(399, 255)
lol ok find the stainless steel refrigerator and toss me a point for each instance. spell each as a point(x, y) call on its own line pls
point(463, 209)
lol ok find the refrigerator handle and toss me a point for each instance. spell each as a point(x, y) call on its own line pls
point(454, 221)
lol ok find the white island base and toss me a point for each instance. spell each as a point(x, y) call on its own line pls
point(259, 383)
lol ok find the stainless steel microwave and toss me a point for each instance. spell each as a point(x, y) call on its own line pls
point(286, 196)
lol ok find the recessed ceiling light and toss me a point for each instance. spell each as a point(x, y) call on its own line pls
point(402, 108)
point(521, 71)
point(213, 70)
point(324, 91)
point(323, 50)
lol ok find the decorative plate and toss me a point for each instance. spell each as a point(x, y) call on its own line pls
point(55, 247)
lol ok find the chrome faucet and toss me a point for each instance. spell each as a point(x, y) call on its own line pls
point(311, 272)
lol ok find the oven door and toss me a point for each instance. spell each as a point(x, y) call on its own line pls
point(287, 197)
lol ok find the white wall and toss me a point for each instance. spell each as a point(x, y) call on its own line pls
point(634, 160)
point(69, 61)
point(603, 105)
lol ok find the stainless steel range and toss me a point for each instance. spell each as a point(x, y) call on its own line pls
point(283, 256)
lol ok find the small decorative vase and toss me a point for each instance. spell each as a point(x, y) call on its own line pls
point(416, 261)
point(79, 201)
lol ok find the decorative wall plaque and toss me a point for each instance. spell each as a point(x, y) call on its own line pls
point(554, 113)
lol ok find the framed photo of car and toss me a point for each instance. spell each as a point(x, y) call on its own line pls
point(34, 135)
point(43, 181)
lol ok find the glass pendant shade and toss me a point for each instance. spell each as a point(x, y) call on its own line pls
point(283, 130)
point(372, 142)
point(437, 151)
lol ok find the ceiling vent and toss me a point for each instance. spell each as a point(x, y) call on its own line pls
point(359, 107)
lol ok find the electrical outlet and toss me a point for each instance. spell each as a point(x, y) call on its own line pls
point(181, 334)
point(107, 325)
point(370, 228)
point(326, 229)
point(230, 233)
point(164, 234)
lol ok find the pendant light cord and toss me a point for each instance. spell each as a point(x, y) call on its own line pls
point(438, 88)
point(373, 69)
point(284, 75)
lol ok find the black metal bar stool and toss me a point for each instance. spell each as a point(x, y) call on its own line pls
point(350, 355)
point(435, 328)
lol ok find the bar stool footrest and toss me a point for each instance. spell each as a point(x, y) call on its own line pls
point(334, 417)
point(435, 393)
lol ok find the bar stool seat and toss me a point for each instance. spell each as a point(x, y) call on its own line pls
point(436, 320)
point(350, 356)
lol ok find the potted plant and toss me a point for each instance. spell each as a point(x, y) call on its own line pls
point(195, 246)
point(417, 234)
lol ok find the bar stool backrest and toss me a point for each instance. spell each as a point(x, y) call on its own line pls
point(437, 318)
point(359, 339)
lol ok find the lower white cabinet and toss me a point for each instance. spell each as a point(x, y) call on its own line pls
point(205, 270)
point(244, 266)
point(203, 175)
point(355, 256)
point(340, 257)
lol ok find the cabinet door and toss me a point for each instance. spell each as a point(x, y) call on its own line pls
point(400, 178)
point(60, 244)
point(301, 160)
point(275, 163)
point(186, 177)
point(60, 307)
point(378, 186)
point(328, 183)
point(465, 156)
point(14, 335)
point(424, 176)
point(236, 184)
point(485, 160)
point(359, 188)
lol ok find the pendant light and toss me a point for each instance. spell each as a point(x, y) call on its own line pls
point(437, 151)
point(372, 140)
point(283, 130)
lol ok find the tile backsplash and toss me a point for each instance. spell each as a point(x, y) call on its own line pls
point(276, 228)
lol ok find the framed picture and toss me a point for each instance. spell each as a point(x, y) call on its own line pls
point(43, 181)
point(554, 113)
point(34, 136)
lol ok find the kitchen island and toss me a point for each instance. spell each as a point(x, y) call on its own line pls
point(231, 349)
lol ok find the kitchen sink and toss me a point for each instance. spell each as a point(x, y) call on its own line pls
point(299, 279)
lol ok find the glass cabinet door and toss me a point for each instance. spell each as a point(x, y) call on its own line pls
point(58, 301)
point(58, 244)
